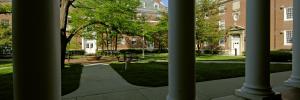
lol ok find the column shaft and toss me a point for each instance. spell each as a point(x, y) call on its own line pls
point(257, 76)
point(294, 80)
point(36, 47)
point(181, 46)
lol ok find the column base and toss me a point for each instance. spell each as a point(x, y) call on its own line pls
point(293, 82)
point(260, 95)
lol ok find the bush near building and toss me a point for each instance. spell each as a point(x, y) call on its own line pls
point(280, 56)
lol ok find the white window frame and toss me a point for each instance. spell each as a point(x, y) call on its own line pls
point(222, 42)
point(236, 5)
point(222, 8)
point(222, 25)
point(285, 37)
point(144, 4)
point(156, 6)
point(285, 14)
point(87, 45)
point(92, 45)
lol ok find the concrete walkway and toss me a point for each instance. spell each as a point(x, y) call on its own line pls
point(101, 82)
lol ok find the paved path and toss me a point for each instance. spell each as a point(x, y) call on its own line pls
point(101, 82)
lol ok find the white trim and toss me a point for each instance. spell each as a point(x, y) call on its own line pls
point(222, 24)
point(285, 15)
point(222, 7)
point(285, 36)
point(156, 6)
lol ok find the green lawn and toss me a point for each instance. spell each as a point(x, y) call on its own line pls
point(5, 64)
point(164, 56)
point(220, 58)
point(155, 74)
point(70, 79)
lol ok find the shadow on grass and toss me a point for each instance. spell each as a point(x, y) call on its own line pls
point(70, 81)
point(5, 62)
point(155, 74)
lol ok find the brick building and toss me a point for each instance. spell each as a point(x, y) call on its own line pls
point(233, 18)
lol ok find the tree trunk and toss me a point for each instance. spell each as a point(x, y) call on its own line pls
point(116, 44)
point(64, 10)
point(107, 41)
point(102, 41)
point(198, 47)
point(63, 51)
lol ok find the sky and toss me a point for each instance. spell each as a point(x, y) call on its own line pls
point(164, 2)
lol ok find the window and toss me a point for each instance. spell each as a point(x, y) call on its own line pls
point(92, 45)
point(288, 37)
point(156, 6)
point(236, 5)
point(144, 4)
point(87, 45)
point(222, 25)
point(222, 9)
point(122, 41)
point(288, 14)
point(133, 41)
point(222, 42)
point(5, 22)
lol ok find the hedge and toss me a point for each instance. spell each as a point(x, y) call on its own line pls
point(75, 52)
point(139, 51)
point(280, 56)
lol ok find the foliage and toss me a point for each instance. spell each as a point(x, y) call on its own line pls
point(5, 34)
point(75, 52)
point(280, 56)
point(116, 15)
point(5, 8)
point(139, 51)
point(112, 17)
point(207, 27)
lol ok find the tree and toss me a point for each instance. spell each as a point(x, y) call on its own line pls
point(161, 30)
point(113, 14)
point(5, 27)
point(5, 34)
point(207, 27)
point(5, 8)
point(118, 16)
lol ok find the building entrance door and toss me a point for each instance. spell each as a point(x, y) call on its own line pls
point(235, 45)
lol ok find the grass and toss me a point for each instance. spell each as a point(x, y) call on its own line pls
point(5, 64)
point(70, 79)
point(164, 56)
point(220, 58)
point(154, 74)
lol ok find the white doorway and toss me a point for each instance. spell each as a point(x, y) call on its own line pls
point(235, 44)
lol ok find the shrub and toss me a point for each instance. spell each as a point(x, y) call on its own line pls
point(207, 51)
point(75, 52)
point(107, 52)
point(140, 51)
point(280, 56)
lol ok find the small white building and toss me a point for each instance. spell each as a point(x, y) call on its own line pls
point(89, 45)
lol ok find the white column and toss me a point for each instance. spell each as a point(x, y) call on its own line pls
point(257, 76)
point(36, 46)
point(181, 46)
point(294, 80)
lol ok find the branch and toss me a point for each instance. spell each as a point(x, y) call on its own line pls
point(86, 25)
